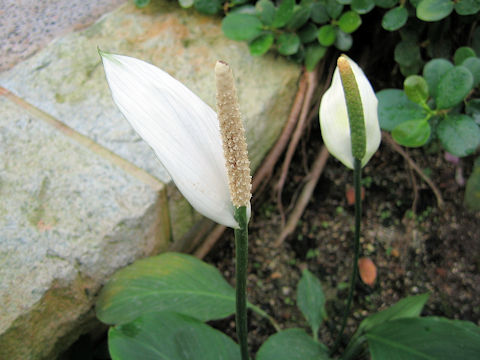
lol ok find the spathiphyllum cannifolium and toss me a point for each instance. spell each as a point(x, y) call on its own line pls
point(350, 131)
point(183, 131)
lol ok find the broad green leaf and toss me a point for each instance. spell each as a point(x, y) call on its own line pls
point(168, 336)
point(463, 53)
point(311, 300)
point(209, 7)
point(288, 43)
point(299, 18)
point(395, 108)
point(244, 9)
point(167, 282)
point(344, 2)
point(411, 69)
point(472, 190)
point(343, 41)
point(241, 26)
point(186, 3)
point(459, 135)
point(416, 89)
point(386, 4)
point(432, 338)
point(308, 33)
point(334, 9)
point(319, 13)
point(434, 10)
point(433, 72)
point(313, 54)
point(326, 35)
point(473, 64)
point(453, 87)
point(362, 6)
point(407, 53)
point(292, 344)
point(412, 133)
point(261, 44)
point(415, 3)
point(410, 307)
point(141, 3)
point(265, 11)
point(349, 22)
point(395, 18)
point(467, 7)
point(283, 14)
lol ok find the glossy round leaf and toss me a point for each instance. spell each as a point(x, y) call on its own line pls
point(288, 43)
point(166, 335)
point(453, 87)
point(473, 64)
point(386, 4)
point(459, 135)
point(395, 18)
point(299, 18)
point(411, 69)
point(467, 7)
point(349, 22)
point(334, 9)
point(433, 71)
point(407, 53)
point(266, 11)
point(308, 33)
point(463, 53)
point(241, 27)
point(412, 133)
point(362, 6)
point(244, 9)
point(283, 14)
point(261, 44)
point(434, 10)
point(313, 54)
point(209, 7)
point(343, 41)
point(326, 35)
point(416, 89)
point(319, 13)
point(395, 108)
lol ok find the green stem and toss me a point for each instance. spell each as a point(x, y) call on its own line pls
point(357, 176)
point(241, 253)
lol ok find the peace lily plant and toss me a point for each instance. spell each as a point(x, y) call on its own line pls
point(158, 306)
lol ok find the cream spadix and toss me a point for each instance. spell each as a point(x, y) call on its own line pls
point(181, 129)
point(334, 115)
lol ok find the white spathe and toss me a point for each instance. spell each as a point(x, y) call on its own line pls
point(334, 118)
point(182, 130)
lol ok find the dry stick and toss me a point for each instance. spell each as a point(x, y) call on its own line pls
point(388, 139)
point(306, 195)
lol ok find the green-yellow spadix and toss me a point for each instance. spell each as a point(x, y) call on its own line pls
point(335, 123)
point(183, 131)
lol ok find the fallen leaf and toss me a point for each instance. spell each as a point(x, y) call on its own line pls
point(350, 195)
point(367, 270)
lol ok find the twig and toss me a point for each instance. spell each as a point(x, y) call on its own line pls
point(306, 195)
point(209, 242)
point(388, 139)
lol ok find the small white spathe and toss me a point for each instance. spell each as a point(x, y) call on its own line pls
point(334, 118)
point(181, 129)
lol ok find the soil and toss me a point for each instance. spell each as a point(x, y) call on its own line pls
point(428, 250)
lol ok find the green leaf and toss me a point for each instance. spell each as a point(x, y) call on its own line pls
point(433, 71)
point(343, 41)
point(395, 108)
point(473, 109)
point(344, 2)
point(308, 33)
point(165, 336)
point(265, 11)
point(209, 7)
point(395, 18)
point(313, 54)
point(241, 27)
point(416, 89)
point(411, 69)
point(311, 300)
point(467, 7)
point(288, 43)
point(292, 344)
point(326, 35)
point(386, 4)
point(459, 135)
point(407, 53)
point(434, 10)
point(167, 282)
point(453, 87)
point(141, 3)
point(283, 14)
point(334, 9)
point(299, 18)
point(462, 53)
point(319, 13)
point(424, 338)
point(472, 190)
point(473, 64)
point(261, 44)
point(349, 22)
point(362, 6)
point(244, 9)
point(412, 133)
point(186, 3)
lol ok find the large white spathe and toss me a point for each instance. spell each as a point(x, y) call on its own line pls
point(334, 118)
point(182, 130)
